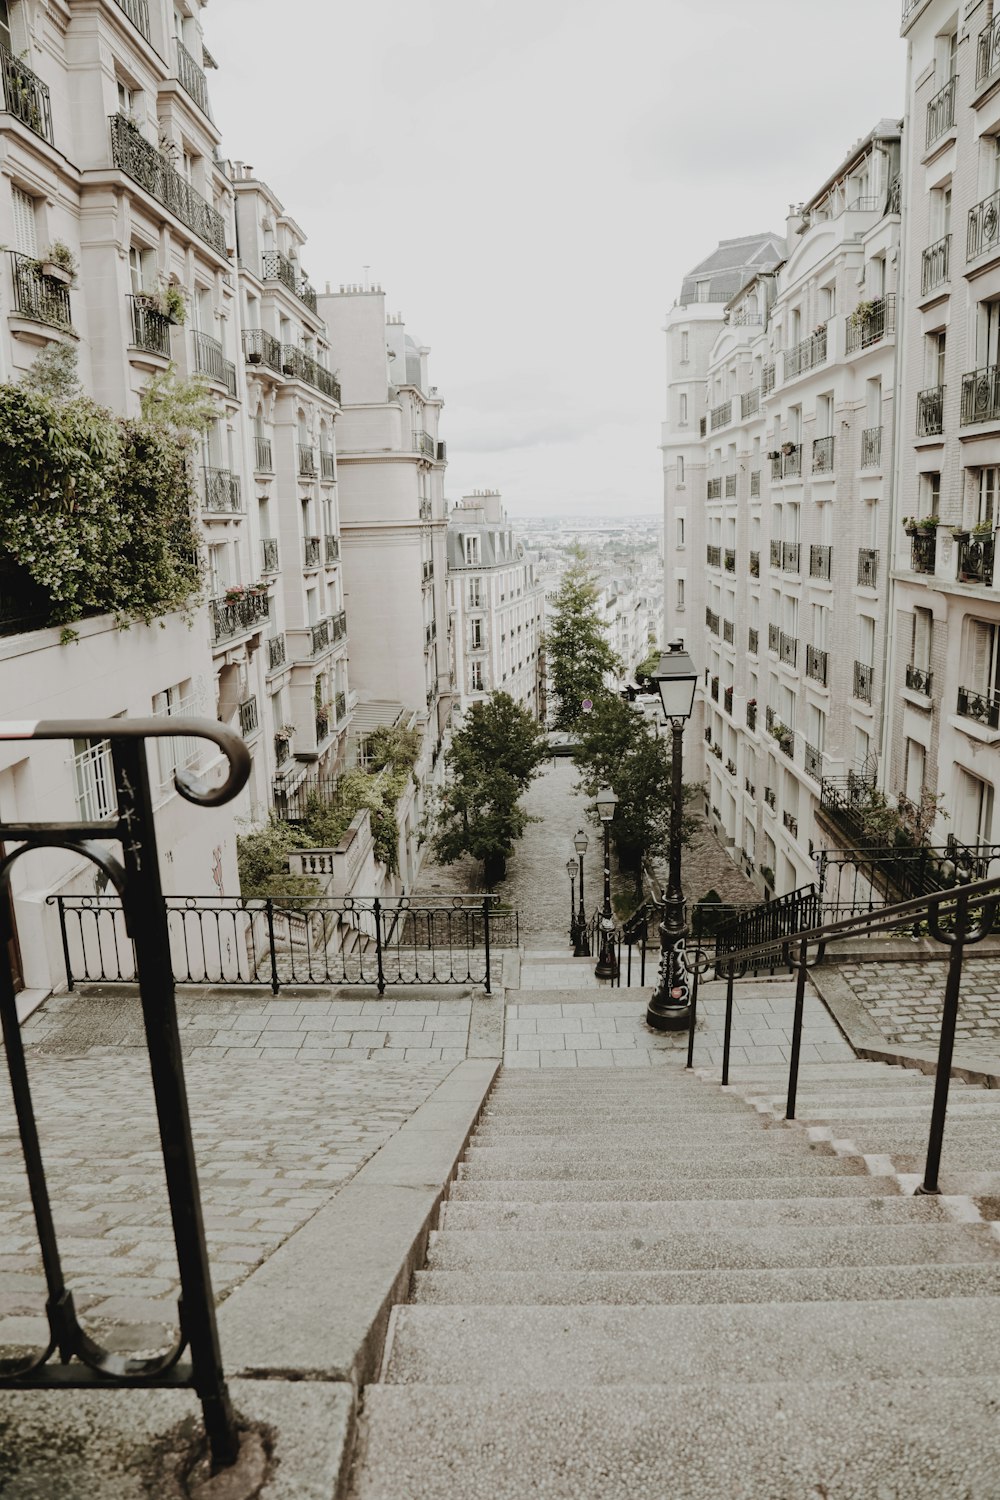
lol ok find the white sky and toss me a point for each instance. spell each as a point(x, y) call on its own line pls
point(530, 180)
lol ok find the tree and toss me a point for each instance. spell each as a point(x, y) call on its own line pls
point(577, 650)
point(498, 734)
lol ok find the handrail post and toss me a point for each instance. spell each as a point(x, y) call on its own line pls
point(275, 985)
point(65, 942)
point(378, 945)
point(730, 977)
point(486, 940)
point(800, 1000)
point(642, 957)
point(694, 1013)
point(946, 1047)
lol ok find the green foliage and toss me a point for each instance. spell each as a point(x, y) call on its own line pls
point(327, 822)
point(647, 667)
point(96, 511)
point(499, 734)
point(67, 636)
point(53, 373)
point(262, 861)
point(184, 408)
point(576, 647)
point(704, 921)
point(395, 746)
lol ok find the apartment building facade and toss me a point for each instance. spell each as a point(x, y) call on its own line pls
point(944, 666)
point(495, 606)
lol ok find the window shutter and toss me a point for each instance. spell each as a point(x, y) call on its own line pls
point(25, 238)
point(979, 655)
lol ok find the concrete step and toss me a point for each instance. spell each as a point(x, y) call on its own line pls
point(761, 1442)
point(646, 1107)
point(492, 1166)
point(630, 1146)
point(968, 1111)
point(734, 1213)
point(586, 1134)
point(557, 1349)
point(652, 1288)
point(762, 1248)
point(668, 1190)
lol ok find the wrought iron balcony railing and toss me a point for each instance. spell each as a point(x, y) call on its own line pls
point(276, 655)
point(729, 560)
point(823, 455)
point(237, 616)
point(210, 360)
point(301, 366)
point(338, 625)
point(306, 460)
point(788, 649)
point(702, 426)
point(322, 726)
point(940, 113)
point(868, 567)
point(770, 797)
point(918, 679)
point(870, 323)
point(269, 554)
point(311, 552)
point(750, 402)
point(713, 489)
point(775, 554)
point(787, 465)
point(863, 676)
point(138, 13)
point(983, 707)
point(249, 722)
point(138, 159)
point(935, 265)
point(727, 699)
point(871, 448)
point(221, 491)
point(988, 53)
point(975, 560)
point(930, 411)
point(340, 707)
point(791, 555)
point(754, 484)
point(805, 355)
point(817, 664)
point(767, 378)
point(278, 267)
point(923, 552)
point(25, 96)
point(713, 688)
point(426, 510)
point(751, 715)
point(980, 396)
point(754, 565)
point(281, 750)
point(713, 556)
point(791, 823)
point(150, 329)
point(721, 415)
point(262, 348)
point(983, 231)
point(728, 632)
point(263, 460)
point(730, 486)
point(773, 637)
point(331, 548)
point(327, 464)
point(820, 561)
point(192, 78)
point(731, 767)
point(38, 297)
point(753, 640)
point(423, 444)
point(749, 787)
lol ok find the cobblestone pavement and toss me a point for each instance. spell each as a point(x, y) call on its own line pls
point(904, 1000)
point(705, 866)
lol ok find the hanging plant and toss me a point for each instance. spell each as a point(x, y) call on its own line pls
point(863, 313)
point(59, 264)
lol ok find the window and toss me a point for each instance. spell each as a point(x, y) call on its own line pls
point(25, 236)
point(476, 677)
point(703, 289)
point(862, 750)
point(824, 416)
point(682, 419)
point(176, 702)
point(930, 494)
point(680, 471)
point(940, 212)
point(981, 668)
point(5, 36)
point(93, 772)
point(974, 818)
point(680, 593)
point(866, 640)
point(915, 760)
point(475, 593)
point(127, 97)
point(685, 355)
point(921, 638)
point(680, 531)
point(472, 551)
point(142, 268)
point(986, 495)
point(476, 635)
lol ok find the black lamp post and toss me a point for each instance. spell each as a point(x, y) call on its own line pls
point(571, 872)
point(606, 967)
point(581, 948)
point(669, 1009)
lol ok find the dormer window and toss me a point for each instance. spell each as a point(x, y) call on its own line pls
point(472, 551)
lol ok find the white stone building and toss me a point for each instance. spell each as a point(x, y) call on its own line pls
point(495, 606)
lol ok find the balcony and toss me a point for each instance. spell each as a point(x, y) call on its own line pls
point(427, 570)
point(301, 366)
point(940, 113)
point(820, 561)
point(791, 823)
point(788, 649)
point(340, 707)
point(871, 448)
point(983, 230)
point(262, 348)
point(752, 715)
point(731, 767)
point(770, 797)
point(867, 567)
point(754, 567)
point(281, 749)
point(310, 552)
point(713, 489)
point(730, 486)
point(237, 616)
point(150, 329)
point(322, 725)
point(983, 707)
point(430, 633)
point(869, 323)
point(221, 491)
point(275, 652)
point(935, 266)
point(773, 638)
point(249, 722)
point(975, 560)
point(277, 267)
point(327, 464)
point(36, 297)
point(791, 554)
point(775, 554)
point(749, 787)
point(787, 465)
point(426, 510)
point(750, 402)
point(338, 626)
point(331, 549)
point(721, 415)
point(138, 159)
point(269, 554)
point(863, 675)
point(919, 680)
point(980, 396)
point(728, 632)
point(753, 641)
point(754, 484)
point(306, 456)
point(729, 560)
point(988, 53)
point(192, 78)
point(263, 462)
point(767, 376)
point(138, 13)
point(805, 355)
point(210, 360)
point(702, 426)
point(923, 552)
point(424, 444)
point(930, 411)
point(713, 557)
point(25, 96)
point(823, 455)
point(817, 664)
point(727, 700)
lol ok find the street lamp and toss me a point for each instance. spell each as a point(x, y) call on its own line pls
point(606, 967)
point(669, 1009)
point(581, 948)
point(571, 872)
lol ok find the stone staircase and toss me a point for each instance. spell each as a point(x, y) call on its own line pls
point(646, 1288)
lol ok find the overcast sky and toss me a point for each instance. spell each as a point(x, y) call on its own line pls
point(530, 180)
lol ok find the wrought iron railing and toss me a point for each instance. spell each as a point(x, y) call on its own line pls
point(753, 640)
point(775, 553)
point(823, 455)
point(773, 637)
point(306, 460)
point(868, 567)
point(721, 415)
point(138, 159)
point(805, 355)
point(820, 561)
point(340, 707)
point(36, 296)
point(983, 231)
point(923, 552)
point(730, 481)
point(976, 560)
point(150, 328)
point(812, 760)
point(787, 465)
point(282, 749)
point(327, 464)
point(729, 560)
point(25, 96)
point(249, 722)
point(940, 113)
point(871, 324)
point(269, 554)
point(930, 411)
point(138, 13)
point(752, 716)
point(262, 348)
point(728, 632)
point(767, 378)
point(919, 679)
point(770, 797)
point(712, 621)
point(713, 489)
point(713, 556)
point(221, 491)
point(275, 652)
point(263, 459)
point(331, 548)
point(863, 676)
point(277, 267)
point(788, 649)
point(817, 664)
point(988, 52)
point(237, 616)
point(713, 688)
point(754, 484)
point(982, 706)
point(791, 557)
point(338, 625)
point(727, 699)
point(871, 448)
point(791, 823)
point(750, 402)
point(322, 725)
point(301, 366)
point(192, 78)
point(423, 443)
point(208, 356)
point(980, 396)
point(754, 565)
point(935, 265)
point(320, 638)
